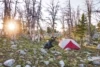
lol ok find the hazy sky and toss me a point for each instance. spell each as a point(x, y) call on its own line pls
point(63, 3)
point(74, 5)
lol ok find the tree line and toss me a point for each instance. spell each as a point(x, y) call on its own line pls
point(29, 13)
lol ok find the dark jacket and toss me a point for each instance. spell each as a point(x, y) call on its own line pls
point(48, 44)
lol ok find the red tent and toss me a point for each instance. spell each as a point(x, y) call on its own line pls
point(69, 44)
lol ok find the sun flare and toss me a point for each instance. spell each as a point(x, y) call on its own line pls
point(11, 26)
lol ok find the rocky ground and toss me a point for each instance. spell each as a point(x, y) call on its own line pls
point(24, 53)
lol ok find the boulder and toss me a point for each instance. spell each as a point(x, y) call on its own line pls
point(62, 64)
point(98, 46)
point(1, 64)
point(96, 62)
point(93, 58)
point(9, 62)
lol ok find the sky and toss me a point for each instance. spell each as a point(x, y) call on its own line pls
point(74, 4)
point(63, 3)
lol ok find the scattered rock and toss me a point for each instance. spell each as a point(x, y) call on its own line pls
point(11, 54)
point(96, 62)
point(43, 51)
point(5, 40)
point(82, 61)
point(51, 59)
point(20, 46)
point(1, 53)
point(59, 57)
point(27, 66)
point(28, 62)
point(9, 62)
point(34, 50)
point(22, 57)
point(93, 58)
point(14, 46)
point(86, 52)
point(1, 64)
point(16, 41)
point(53, 52)
point(12, 42)
point(41, 57)
point(81, 65)
point(36, 62)
point(98, 46)
point(33, 66)
point(46, 62)
point(62, 64)
point(25, 50)
point(58, 53)
point(18, 65)
point(22, 52)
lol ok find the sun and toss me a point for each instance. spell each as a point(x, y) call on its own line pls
point(11, 26)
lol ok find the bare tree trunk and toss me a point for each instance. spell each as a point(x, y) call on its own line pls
point(89, 12)
point(31, 15)
point(53, 11)
point(38, 18)
point(69, 28)
point(63, 23)
point(70, 16)
point(7, 15)
point(69, 20)
point(15, 8)
point(78, 15)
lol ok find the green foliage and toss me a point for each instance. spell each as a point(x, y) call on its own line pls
point(80, 29)
point(42, 31)
point(49, 30)
point(98, 25)
point(93, 28)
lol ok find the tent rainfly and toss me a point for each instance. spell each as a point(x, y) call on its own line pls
point(69, 44)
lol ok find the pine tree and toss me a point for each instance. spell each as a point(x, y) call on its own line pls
point(98, 25)
point(80, 29)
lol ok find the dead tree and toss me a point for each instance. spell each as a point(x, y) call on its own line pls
point(27, 6)
point(30, 15)
point(89, 5)
point(69, 19)
point(70, 14)
point(53, 12)
point(34, 16)
point(15, 8)
point(38, 19)
point(7, 13)
point(78, 14)
point(63, 22)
